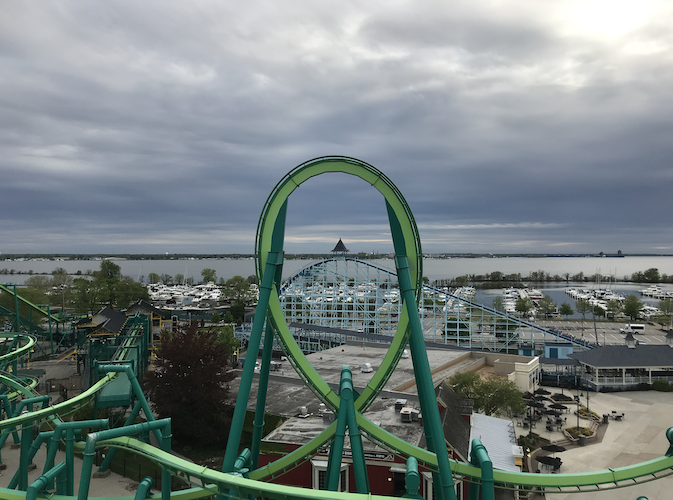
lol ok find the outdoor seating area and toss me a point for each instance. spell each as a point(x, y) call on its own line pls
point(614, 415)
point(538, 411)
point(551, 464)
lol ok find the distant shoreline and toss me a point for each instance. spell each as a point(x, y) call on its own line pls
point(67, 257)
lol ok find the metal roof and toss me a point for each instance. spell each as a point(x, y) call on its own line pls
point(498, 436)
point(621, 356)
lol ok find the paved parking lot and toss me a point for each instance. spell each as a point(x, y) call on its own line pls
point(607, 331)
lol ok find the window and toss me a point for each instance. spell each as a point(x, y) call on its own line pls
point(320, 475)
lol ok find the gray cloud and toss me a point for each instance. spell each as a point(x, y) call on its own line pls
point(163, 126)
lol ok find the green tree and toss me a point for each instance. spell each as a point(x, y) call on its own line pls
point(215, 318)
point(582, 306)
point(39, 283)
point(107, 288)
point(193, 363)
point(108, 270)
point(166, 279)
point(496, 276)
point(252, 279)
point(153, 278)
point(632, 306)
point(465, 384)
point(492, 395)
point(498, 304)
point(180, 279)
point(566, 310)
point(127, 291)
point(614, 308)
point(208, 275)
point(497, 396)
point(666, 310)
point(228, 317)
point(652, 275)
point(523, 305)
point(547, 306)
point(462, 281)
point(60, 277)
point(239, 292)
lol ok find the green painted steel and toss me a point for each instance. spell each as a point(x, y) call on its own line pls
point(481, 459)
point(207, 482)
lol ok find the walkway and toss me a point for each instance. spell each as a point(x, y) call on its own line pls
point(638, 438)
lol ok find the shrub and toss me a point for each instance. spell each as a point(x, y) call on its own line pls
point(662, 386)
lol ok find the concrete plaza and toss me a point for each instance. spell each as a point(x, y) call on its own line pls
point(639, 437)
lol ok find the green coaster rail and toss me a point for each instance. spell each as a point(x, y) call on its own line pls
point(233, 483)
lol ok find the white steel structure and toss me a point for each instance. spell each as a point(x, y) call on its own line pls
point(343, 293)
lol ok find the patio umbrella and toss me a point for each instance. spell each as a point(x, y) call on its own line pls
point(558, 406)
point(554, 448)
point(542, 391)
point(547, 460)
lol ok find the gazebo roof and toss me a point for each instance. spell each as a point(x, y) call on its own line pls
point(340, 247)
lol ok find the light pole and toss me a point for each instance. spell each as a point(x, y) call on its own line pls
point(577, 400)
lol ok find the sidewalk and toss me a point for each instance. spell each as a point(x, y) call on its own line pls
point(114, 485)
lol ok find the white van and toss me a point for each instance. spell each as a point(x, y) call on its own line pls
point(633, 328)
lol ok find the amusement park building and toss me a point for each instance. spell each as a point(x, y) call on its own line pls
point(385, 470)
point(612, 367)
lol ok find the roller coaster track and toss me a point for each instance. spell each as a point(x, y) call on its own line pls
point(38, 309)
point(231, 483)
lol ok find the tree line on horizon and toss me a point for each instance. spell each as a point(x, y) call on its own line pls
point(497, 279)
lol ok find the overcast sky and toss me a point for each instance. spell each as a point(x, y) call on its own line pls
point(509, 126)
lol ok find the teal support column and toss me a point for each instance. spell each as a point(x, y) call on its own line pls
point(357, 450)
point(346, 418)
point(137, 391)
point(431, 422)
point(481, 459)
point(143, 490)
point(39, 485)
point(336, 452)
point(273, 261)
point(412, 480)
point(258, 425)
point(24, 460)
point(17, 323)
point(41, 438)
point(110, 455)
point(10, 411)
point(70, 460)
point(131, 430)
point(61, 429)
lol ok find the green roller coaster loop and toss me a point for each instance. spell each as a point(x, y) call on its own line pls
point(206, 482)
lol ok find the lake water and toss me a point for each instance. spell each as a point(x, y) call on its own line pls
point(432, 268)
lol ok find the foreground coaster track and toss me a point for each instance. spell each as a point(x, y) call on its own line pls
point(241, 476)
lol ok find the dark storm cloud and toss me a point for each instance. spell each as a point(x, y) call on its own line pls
point(163, 126)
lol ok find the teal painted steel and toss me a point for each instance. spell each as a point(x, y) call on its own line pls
point(412, 480)
point(481, 459)
point(209, 482)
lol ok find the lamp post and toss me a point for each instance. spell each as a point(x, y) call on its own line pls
point(577, 400)
point(587, 400)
